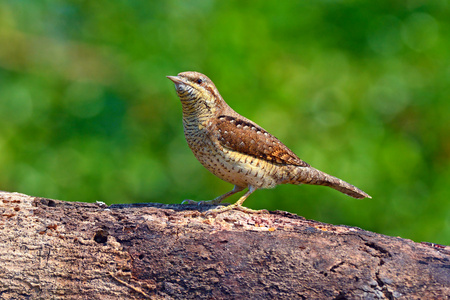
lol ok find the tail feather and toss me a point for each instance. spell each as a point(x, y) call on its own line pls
point(313, 176)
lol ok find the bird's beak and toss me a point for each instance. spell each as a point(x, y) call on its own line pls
point(175, 79)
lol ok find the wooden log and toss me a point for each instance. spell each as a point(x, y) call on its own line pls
point(52, 249)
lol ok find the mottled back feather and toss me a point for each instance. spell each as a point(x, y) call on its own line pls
point(247, 138)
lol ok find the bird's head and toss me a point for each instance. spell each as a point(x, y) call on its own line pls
point(196, 90)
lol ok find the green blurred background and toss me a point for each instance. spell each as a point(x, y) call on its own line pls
point(358, 89)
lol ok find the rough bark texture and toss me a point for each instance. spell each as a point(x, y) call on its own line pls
point(52, 249)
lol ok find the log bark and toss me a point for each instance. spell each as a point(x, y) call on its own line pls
point(52, 249)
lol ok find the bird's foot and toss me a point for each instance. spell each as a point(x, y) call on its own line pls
point(234, 206)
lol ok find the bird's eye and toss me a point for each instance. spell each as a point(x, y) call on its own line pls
point(199, 81)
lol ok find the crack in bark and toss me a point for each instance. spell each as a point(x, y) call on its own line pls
point(382, 253)
point(384, 288)
point(333, 268)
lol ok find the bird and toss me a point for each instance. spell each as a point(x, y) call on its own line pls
point(238, 150)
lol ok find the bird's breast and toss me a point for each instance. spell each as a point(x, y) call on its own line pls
point(234, 167)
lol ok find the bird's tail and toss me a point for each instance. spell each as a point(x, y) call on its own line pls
point(313, 176)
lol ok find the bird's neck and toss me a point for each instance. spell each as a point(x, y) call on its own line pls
point(197, 108)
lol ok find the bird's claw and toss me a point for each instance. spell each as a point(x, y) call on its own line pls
point(234, 206)
point(188, 201)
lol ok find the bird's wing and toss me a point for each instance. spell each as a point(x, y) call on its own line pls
point(248, 138)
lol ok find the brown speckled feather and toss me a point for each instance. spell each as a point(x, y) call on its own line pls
point(236, 149)
point(247, 138)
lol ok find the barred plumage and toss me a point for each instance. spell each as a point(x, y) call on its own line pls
point(238, 150)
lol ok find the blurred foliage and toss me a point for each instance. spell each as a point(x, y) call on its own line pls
point(358, 89)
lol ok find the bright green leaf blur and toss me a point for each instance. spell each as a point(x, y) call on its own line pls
point(357, 89)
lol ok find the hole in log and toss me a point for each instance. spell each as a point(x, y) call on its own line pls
point(101, 236)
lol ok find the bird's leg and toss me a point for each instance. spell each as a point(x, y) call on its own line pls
point(217, 200)
point(237, 205)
